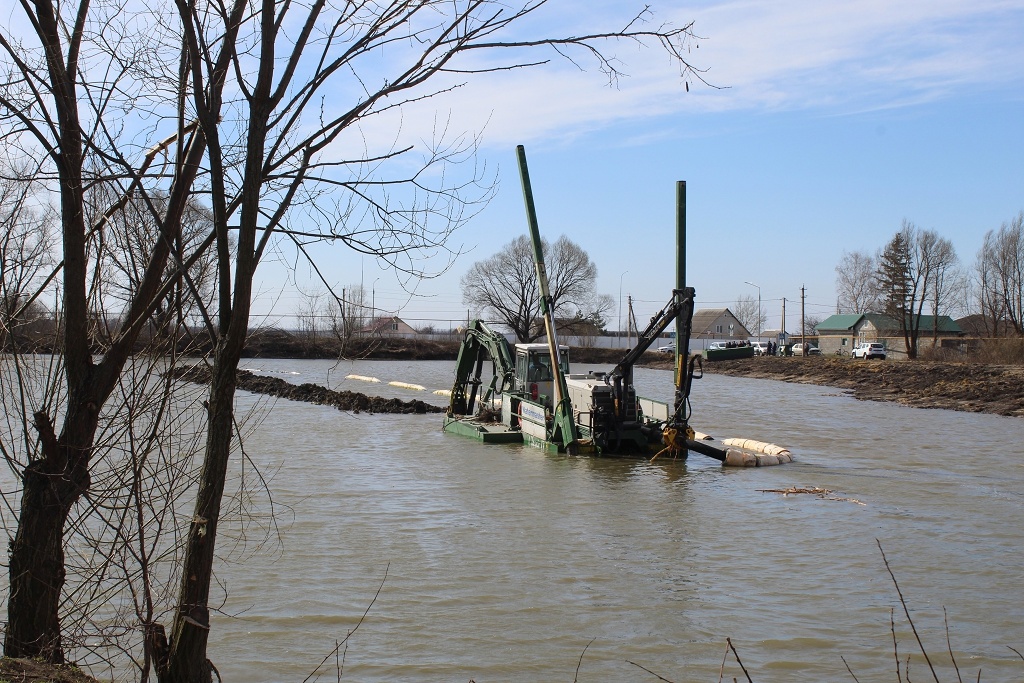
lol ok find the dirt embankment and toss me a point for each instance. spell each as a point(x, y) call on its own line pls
point(971, 387)
point(312, 393)
point(32, 671)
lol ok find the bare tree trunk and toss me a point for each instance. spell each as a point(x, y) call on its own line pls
point(187, 662)
point(52, 485)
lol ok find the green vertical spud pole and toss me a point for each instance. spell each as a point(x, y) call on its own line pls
point(684, 319)
point(680, 260)
point(563, 410)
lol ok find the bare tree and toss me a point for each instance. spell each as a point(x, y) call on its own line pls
point(939, 263)
point(600, 310)
point(282, 61)
point(985, 288)
point(901, 284)
point(122, 257)
point(999, 271)
point(810, 322)
point(504, 286)
point(856, 285)
point(917, 267)
point(26, 255)
point(310, 319)
point(750, 313)
point(245, 102)
point(77, 112)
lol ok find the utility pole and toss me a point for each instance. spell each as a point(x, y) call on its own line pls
point(619, 326)
point(783, 335)
point(629, 321)
point(803, 319)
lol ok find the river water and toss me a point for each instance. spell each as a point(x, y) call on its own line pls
point(504, 563)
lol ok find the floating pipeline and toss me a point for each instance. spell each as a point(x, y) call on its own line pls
point(311, 393)
point(407, 385)
point(740, 452)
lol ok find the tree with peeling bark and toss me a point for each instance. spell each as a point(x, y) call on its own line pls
point(257, 107)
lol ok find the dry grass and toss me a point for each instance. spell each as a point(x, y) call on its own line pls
point(1001, 351)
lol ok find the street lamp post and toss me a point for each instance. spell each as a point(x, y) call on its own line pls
point(758, 307)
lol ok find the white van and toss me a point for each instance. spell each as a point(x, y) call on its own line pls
point(798, 350)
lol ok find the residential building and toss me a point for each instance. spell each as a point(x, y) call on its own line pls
point(717, 323)
point(840, 333)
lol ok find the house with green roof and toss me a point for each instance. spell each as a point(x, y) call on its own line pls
point(840, 333)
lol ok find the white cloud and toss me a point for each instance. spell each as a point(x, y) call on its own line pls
point(837, 56)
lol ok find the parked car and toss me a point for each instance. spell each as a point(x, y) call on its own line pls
point(798, 350)
point(718, 345)
point(869, 350)
point(760, 348)
point(669, 348)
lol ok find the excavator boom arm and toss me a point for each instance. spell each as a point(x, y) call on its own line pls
point(480, 343)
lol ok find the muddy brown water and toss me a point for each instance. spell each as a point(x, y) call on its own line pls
point(504, 563)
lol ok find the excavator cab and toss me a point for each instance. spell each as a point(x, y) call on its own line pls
point(535, 376)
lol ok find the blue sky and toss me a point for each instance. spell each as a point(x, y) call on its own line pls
point(834, 122)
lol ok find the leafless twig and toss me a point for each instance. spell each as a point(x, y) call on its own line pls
point(849, 669)
point(949, 646)
point(660, 678)
point(906, 611)
point(359, 623)
point(737, 656)
point(895, 646)
point(580, 663)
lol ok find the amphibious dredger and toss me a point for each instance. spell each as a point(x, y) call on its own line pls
point(531, 396)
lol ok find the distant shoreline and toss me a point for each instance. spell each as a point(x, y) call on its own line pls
point(968, 387)
point(965, 386)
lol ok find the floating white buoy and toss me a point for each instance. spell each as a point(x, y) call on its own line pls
point(406, 385)
point(363, 378)
point(757, 446)
point(737, 458)
point(750, 453)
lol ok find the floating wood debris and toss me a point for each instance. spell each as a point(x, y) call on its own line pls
point(824, 494)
